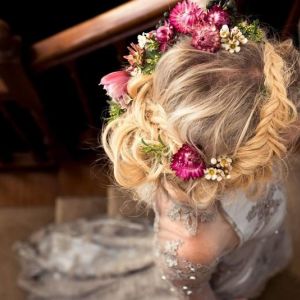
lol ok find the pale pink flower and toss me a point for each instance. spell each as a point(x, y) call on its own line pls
point(185, 16)
point(164, 35)
point(218, 16)
point(206, 38)
point(115, 84)
point(136, 55)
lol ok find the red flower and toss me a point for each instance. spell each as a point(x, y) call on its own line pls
point(187, 163)
point(218, 16)
point(206, 38)
point(164, 34)
point(185, 16)
point(115, 84)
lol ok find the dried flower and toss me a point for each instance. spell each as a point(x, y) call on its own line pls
point(210, 173)
point(206, 38)
point(231, 39)
point(224, 162)
point(232, 46)
point(164, 35)
point(142, 40)
point(213, 161)
point(136, 55)
point(115, 84)
point(214, 174)
point(187, 163)
point(224, 32)
point(220, 169)
point(218, 16)
point(185, 16)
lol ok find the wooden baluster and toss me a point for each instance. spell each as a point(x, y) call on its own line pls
point(72, 70)
point(291, 23)
point(18, 87)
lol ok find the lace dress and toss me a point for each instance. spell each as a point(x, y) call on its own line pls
point(227, 252)
point(232, 266)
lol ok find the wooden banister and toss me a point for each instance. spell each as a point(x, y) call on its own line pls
point(124, 20)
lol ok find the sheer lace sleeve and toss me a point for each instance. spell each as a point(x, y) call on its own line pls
point(189, 243)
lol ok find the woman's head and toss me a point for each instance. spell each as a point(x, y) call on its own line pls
point(238, 105)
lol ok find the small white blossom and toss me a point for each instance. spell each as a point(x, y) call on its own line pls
point(220, 175)
point(220, 168)
point(232, 46)
point(243, 40)
point(224, 32)
point(231, 39)
point(213, 161)
point(235, 31)
point(136, 72)
point(211, 174)
point(142, 40)
point(224, 161)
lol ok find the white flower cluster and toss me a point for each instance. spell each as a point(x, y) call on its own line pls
point(232, 39)
point(220, 169)
point(143, 39)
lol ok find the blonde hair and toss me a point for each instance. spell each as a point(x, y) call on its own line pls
point(222, 103)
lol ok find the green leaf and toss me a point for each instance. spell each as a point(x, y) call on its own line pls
point(158, 150)
point(151, 57)
point(115, 110)
point(252, 31)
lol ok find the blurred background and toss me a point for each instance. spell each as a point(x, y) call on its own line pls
point(52, 56)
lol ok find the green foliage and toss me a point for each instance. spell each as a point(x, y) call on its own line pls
point(158, 150)
point(252, 31)
point(229, 5)
point(151, 56)
point(115, 110)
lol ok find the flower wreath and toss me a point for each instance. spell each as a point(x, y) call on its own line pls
point(218, 27)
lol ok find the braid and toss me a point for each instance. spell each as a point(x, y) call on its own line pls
point(254, 159)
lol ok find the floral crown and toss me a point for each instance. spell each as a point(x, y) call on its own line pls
point(214, 28)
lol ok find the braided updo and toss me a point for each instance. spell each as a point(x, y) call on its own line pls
point(222, 103)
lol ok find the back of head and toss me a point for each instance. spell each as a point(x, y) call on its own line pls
point(238, 105)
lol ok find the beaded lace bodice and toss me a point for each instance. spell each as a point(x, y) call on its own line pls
point(193, 247)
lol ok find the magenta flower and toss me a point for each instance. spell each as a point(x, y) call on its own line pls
point(185, 16)
point(187, 163)
point(218, 16)
point(115, 84)
point(164, 34)
point(206, 38)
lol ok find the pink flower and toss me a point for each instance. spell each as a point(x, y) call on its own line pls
point(206, 38)
point(185, 16)
point(164, 34)
point(187, 163)
point(115, 84)
point(136, 55)
point(218, 16)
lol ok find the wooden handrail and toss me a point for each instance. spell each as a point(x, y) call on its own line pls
point(124, 20)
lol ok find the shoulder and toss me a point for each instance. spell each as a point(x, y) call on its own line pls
point(204, 235)
point(255, 216)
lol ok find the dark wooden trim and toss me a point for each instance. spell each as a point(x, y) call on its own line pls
point(292, 20)
point(122, 21)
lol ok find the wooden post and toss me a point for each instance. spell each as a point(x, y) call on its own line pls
point(15, 85)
